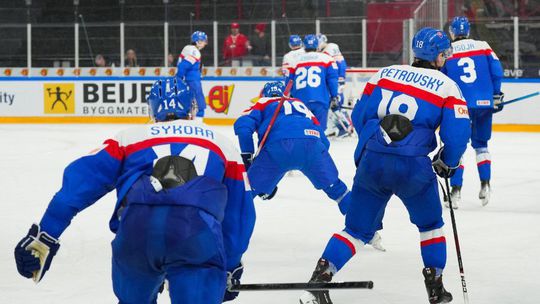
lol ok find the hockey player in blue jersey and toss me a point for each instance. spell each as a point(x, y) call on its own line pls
point(189, 69)
point(396, 118)
point(295, 142)
point(478, 72)
point(184, 211)
point(315, 80)
point(340, 120)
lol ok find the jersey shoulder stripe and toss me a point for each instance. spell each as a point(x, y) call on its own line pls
point(191, 54)
point(470, 48)
point(413, 91)
point(261, 104)
point(181, 131)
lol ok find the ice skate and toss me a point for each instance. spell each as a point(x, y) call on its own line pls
point(376, 242)
point(434, 287)
point(485, 192)
point(455, 195)
point(323, 273)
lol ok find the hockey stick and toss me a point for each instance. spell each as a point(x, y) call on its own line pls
point(287, 21)
point(456, 241)
point(276, 112)
point(303, 286)
point(520, 98)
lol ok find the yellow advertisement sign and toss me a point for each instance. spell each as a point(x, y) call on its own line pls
point(59, 98)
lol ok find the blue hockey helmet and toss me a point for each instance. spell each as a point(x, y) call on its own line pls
point(169, 99)
point(428, 43)
point(460, 26)
point(311, 42)
point(199, 36)
point(273, 89)
point(295, 41)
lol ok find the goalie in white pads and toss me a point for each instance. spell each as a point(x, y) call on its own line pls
point(341, 124)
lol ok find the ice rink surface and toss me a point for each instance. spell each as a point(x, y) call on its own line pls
point(500, 242)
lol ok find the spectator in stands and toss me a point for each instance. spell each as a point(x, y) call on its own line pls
point(170, 60)
point(100, 61)
point(235, 46)
point(131, 59)
point(260, 44)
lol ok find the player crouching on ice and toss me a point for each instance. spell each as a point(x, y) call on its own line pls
point(295, 142)
point(184, 212)
point(396, 118)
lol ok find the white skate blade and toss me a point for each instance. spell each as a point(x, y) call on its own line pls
point(484, 196)
point(308, 298)
point(454, 204)
point(376, 242)
point(485, 200)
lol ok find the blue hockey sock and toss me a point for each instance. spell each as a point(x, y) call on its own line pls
point(457, 178)
point(341, 248)
point(483, 161)
point(433, 248)
point(338, 192)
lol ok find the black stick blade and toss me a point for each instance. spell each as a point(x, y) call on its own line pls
point(304, 286)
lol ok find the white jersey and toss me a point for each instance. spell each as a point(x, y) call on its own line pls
point(190, 53)
point(332, 49)
point(289, 60)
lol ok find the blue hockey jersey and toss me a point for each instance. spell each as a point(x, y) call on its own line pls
point(314, 78)
point(294, 120)
point(189, 64)
point(428, 98)
point(477, 70)
point(221, 187)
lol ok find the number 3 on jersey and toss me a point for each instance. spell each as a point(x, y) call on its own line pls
point(309, 76)
point(468, 68)
point(402, 104)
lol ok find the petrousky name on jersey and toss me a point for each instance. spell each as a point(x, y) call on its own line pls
point(115, 98)
point(413, 77)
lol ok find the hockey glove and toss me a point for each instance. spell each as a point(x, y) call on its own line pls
point(335, 104)
point(497, 102)
point(440, 167)
point(266, 196)
point(233, 279)
point(247, 158)
point(341, 85)
point(35, 252)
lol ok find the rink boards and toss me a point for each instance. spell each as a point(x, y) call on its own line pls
point(122, 99)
